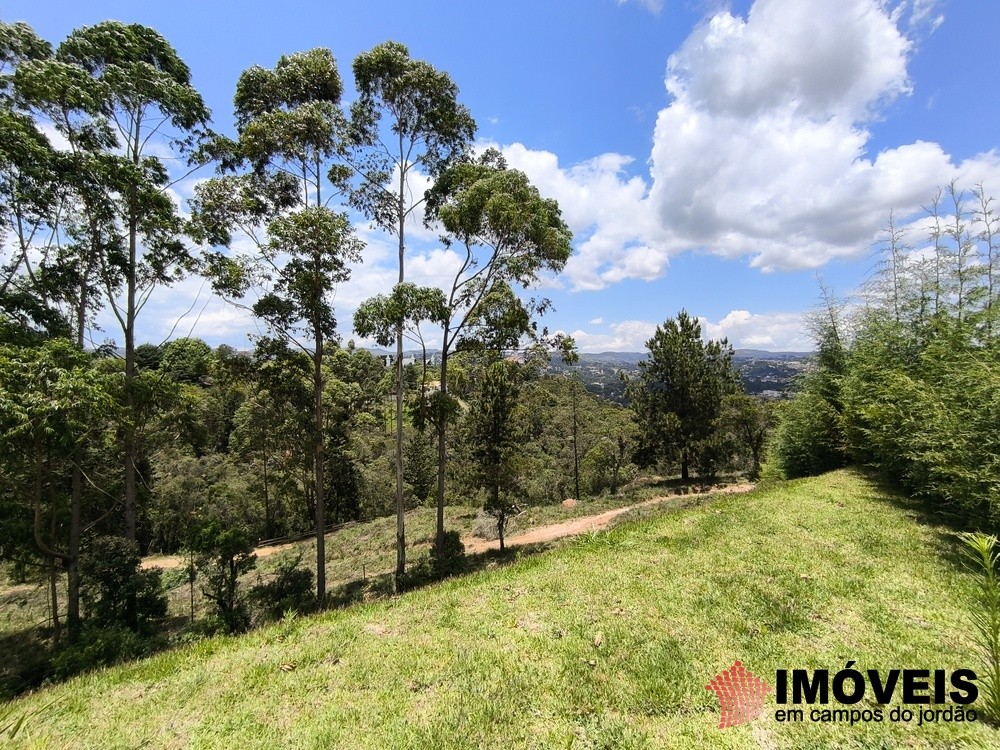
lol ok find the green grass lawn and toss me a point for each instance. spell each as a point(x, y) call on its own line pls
point(605, 642)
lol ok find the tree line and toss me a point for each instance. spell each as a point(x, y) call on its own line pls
point(109, 453)
point(907, 380)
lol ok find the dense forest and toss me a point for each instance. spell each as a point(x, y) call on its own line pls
point(113, 452)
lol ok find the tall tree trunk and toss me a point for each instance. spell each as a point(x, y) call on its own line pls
point(318, 467)
point(44, 548)
point(73, 563)
point(576, 451)
point(501, 516)
point(400, 518)
point(442, 427)
point(684, 466)
point(76, 501)
point(131, 447)
point(54, 571)
point(268, 520)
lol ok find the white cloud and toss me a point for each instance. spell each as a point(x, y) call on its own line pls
point(626, 336)
point(597, 321)
point(777, 331)
point(606, 210)
point(653, 6)
point(763, 152)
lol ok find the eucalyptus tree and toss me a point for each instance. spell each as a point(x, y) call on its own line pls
point(988, 224)
point(496, 435)
point(32, 198)
point(406, 122)
point(278, 179)
point(120, 93)
point(505, 234)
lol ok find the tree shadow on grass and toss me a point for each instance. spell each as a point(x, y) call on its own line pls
point(26, 660)
point(943, 524)
point(421, 575)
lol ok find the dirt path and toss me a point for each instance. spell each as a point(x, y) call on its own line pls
point(170, 562)
point(587, 523)
point(473, 544)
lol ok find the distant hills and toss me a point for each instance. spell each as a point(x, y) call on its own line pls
point(763, 373)
point(636, 357)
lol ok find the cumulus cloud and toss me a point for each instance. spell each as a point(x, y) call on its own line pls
point(624, 336)
point(776, 331)
point(763, 150)
point(606, 210)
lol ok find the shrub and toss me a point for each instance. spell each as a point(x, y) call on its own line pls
point(115, 589)
point(983, 556)
point(808, 440)
point(448, 558)
point(99, 647)
point(222, 556)
point(291, 589)
point(486, 526)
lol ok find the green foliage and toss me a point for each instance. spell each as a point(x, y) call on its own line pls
point(914, 394)
point(810, 435)
point(419, 104)
point(11, 722)
point(749, 421)
point(448, 558)
point(290, 590)
point(186, 361)
point(678, 393)
point(380, 316)
point(495, 434)
point(927, 418)
point(807, 440)
point(188, 488)
point(148, 357)
point(223, 553)
point(983, 558)
point(115, 588)
point(99, 646)
point(419, 464)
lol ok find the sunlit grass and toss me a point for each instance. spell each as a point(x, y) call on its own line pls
point(605, 642)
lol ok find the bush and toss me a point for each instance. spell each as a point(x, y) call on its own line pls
point(115, 589)
point(223, 555)
point(290, 589)
point(983, 558)
point(99, 647)
point(486, 527)
point(448, 558)
point(808, 439)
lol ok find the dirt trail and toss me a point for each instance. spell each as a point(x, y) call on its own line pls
point(474, 544)
point(587, 523)
point(169, 562)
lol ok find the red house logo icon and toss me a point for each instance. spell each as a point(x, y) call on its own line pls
point(741, 695)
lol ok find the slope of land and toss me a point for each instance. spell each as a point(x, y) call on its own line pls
point(607, 641)
point(581, 518)
point(596, 522)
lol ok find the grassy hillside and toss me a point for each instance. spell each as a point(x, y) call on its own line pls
point(606, 642)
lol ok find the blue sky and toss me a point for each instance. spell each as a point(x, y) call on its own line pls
point(710, 156)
